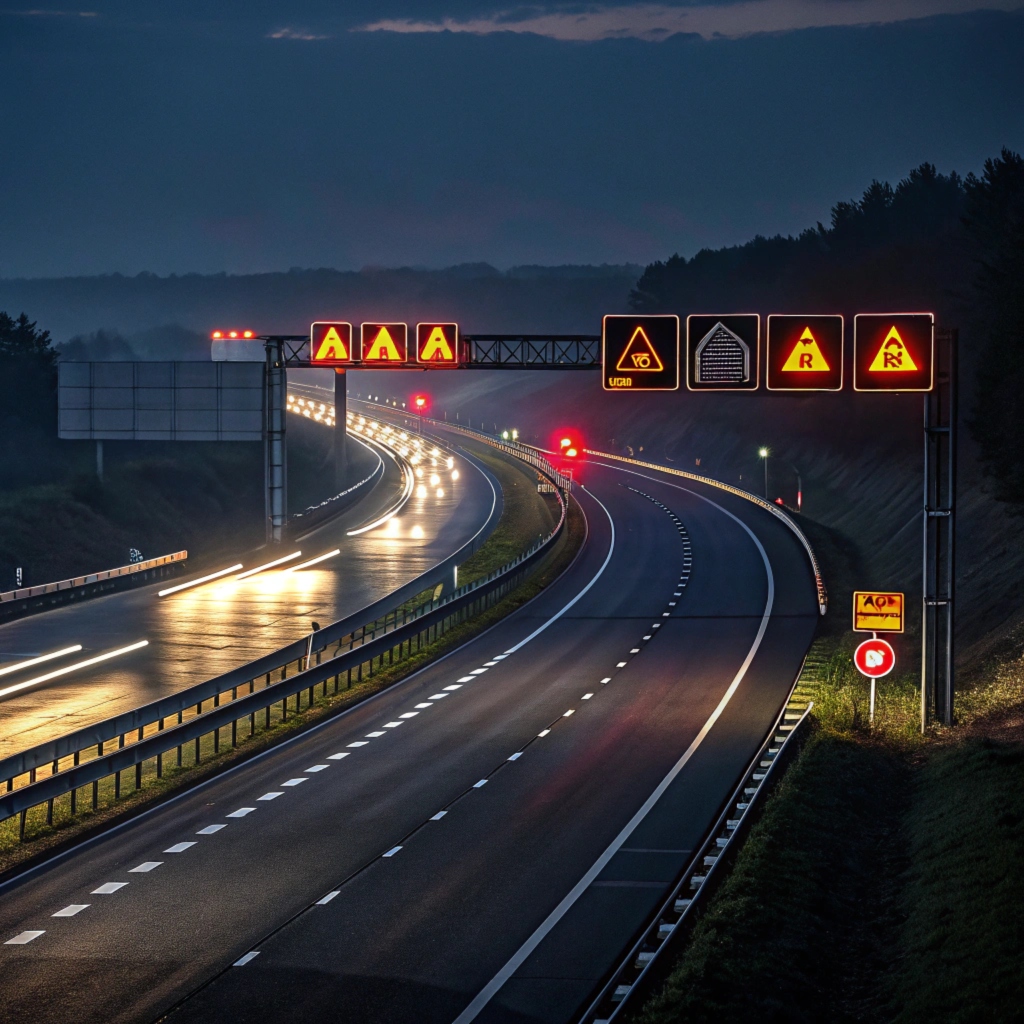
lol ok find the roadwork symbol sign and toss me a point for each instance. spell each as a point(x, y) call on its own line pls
point(893, 351)
point(437, 344)
point(640, 353)
point(384, 343)
point(330, 344)
point(805, 353)
point(877, 612)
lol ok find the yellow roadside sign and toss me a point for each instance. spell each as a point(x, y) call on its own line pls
point(877, 612)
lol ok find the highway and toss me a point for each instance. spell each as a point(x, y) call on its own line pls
point(479, 841)
point(197, 634)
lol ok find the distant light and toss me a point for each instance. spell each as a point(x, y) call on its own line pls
point(763, 452)
point(421, 491)
point(455, 474)
point(233, 334)
point(247, 334)
point(217, 335)
point(565, 442)
point(434, 479)
point(515, 435)
point(571, 452)
point(440, 492)
point(504, 435)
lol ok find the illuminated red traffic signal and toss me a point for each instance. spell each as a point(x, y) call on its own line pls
point(568, 444)
point(420, 404)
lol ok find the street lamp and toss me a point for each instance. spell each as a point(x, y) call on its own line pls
point(764, 453)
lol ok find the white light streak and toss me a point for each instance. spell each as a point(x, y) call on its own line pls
point(269, 565)
point(202, 579)
point(313, 561)
point(38, 661)
point(72, 668)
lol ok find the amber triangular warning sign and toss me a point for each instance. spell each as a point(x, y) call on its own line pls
point(893, 356)
point(437, 347)
point(332, 347)
point(383, 348)
point(639, 355)
point(806, 356)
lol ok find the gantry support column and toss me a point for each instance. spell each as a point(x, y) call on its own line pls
point(276, 449)
point(340, 430)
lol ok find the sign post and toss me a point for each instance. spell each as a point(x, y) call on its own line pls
point(874, 658)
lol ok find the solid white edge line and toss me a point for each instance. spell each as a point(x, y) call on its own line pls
point(604, 565)
point(487, 993)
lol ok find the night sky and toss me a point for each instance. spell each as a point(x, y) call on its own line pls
point(260, 135)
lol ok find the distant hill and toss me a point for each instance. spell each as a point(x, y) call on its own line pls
point(168, 317)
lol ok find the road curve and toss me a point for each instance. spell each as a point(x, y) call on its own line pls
point(200, 633)
point(495, 827)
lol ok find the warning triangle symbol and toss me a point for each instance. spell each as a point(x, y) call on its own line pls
point(383, 348)
point(806, 356)
point(332, 347)
point(437, 347)
point(893, 356)
point(639, 355)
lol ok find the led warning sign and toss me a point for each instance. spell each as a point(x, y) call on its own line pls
point(875, 612)
point(437, 344)
point(384, 343)
point(723, 352)
point(640, 353)
point(805, 353)
point(893, 351)
point(330, 344)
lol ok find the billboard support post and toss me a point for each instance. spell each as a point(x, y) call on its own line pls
point(939, 535)
point(277, 455)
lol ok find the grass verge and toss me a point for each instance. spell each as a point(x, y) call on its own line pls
point(43, 839)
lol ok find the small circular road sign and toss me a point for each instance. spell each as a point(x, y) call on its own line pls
point(874, 658)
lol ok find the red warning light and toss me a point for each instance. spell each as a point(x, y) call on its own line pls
point(568, 444)
point(217, 335)
point(221, 335)
point(420, 404)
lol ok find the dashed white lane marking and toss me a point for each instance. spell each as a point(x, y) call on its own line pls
point(392, 725)
point(145, 866)
point(482, 782)
point(299, 782)
point(454, 686)
point(607, 679)
point(672, 604)
point(500, 657)
point(336, 757)
point(515, 757)
point(438, 816)
point(635, 650)
point(242, 961)
point(648, 637)
point(107, 888)
point(24, 937)
point(571, 711)
point(358, 743)
point(317, 767)
point(324, 900)
point(71, 909)
point(664, 615)
point(179, 847)
point(543, 732)
point(621, 664)
point(409, 714)
point(466, 679)
point(587, 696)
point(490, 664)
point(391, 852)
point(374, 735)
point(426, 704)
point(241, 812)
point(478, 672)
point(210, 829)
point(656, 625)
point(438, 696)
point(270, 796)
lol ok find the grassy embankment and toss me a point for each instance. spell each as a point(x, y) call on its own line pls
point(885, 880)
point(525, 515)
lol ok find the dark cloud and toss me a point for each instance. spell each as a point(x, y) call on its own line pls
point(176, 145)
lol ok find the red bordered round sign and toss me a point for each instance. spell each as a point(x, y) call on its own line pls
point(874, 658)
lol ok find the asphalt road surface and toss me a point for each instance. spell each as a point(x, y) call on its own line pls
point(200, 633)
point(476, 843)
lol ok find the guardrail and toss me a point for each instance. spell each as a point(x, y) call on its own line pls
point(819, 582)
point(23, 593)
point(371, 638)
point(703, 873)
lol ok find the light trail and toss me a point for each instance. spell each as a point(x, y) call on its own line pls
point(73, 668)
point(202, 579)
point(7, 670)
point(269, 565)
point(313, 561)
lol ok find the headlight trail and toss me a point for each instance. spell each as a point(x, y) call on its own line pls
point(73, 668)
point(38, 661)
point(202, 579)
point(269, 565)
point(313, 561)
